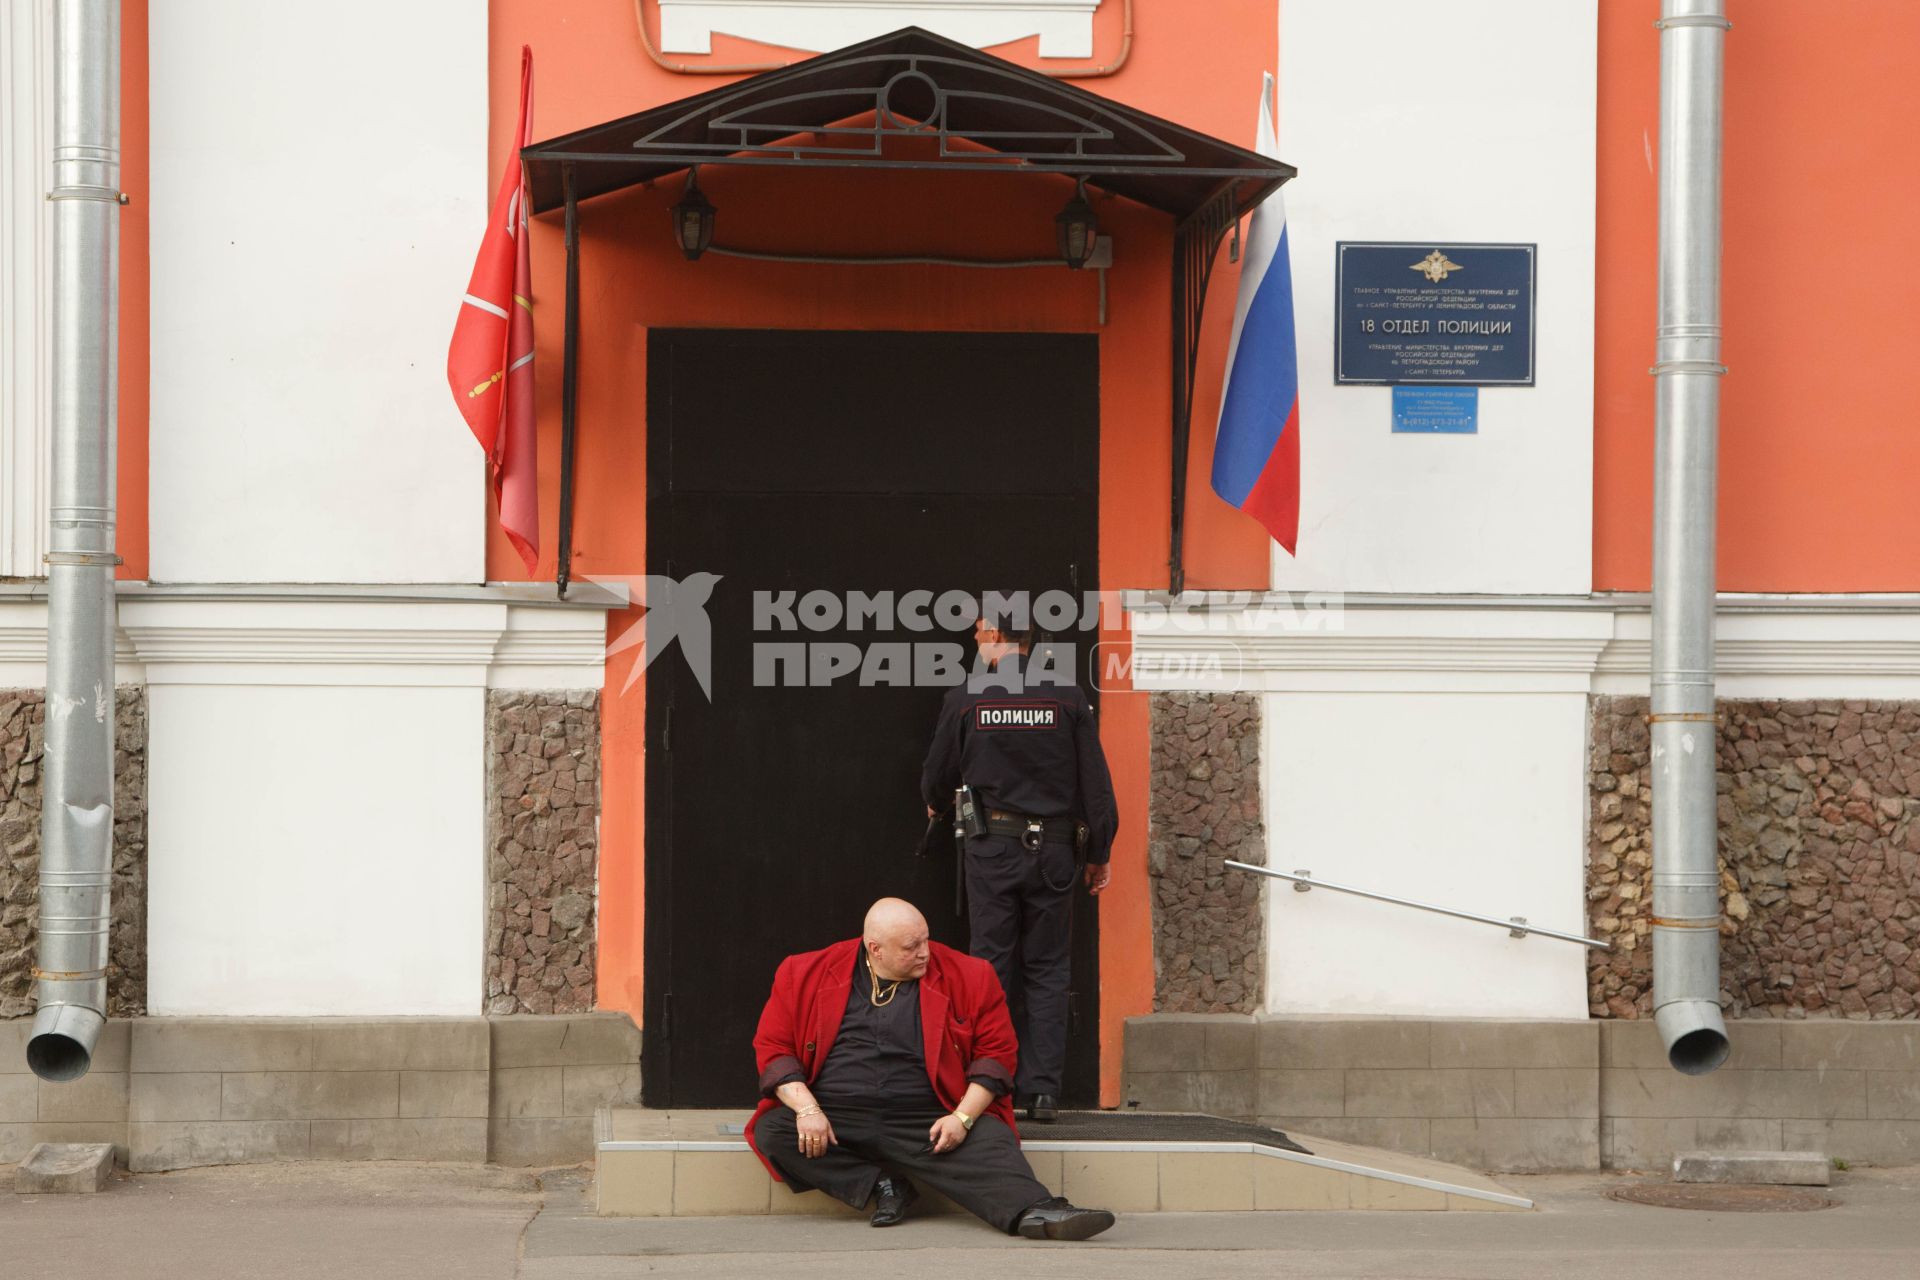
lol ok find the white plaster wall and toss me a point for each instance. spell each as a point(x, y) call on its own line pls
point(1469, 800)
point(315, 850)
point(319, 175)
point(1471, 120)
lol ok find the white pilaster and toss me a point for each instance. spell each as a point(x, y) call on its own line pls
point(26, 130)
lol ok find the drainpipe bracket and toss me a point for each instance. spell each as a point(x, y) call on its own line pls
point(1693, 20)
point(85, 559)
point(1713, 367)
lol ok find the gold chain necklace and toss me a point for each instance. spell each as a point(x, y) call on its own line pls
point(892, 990)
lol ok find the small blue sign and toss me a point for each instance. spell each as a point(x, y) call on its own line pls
point(1428, 312)
point(1437, 410)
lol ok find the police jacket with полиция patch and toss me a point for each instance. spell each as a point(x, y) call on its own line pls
point(1026, 746)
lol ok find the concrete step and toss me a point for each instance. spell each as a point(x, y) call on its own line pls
point(1777, 1168)
point(694, 1164)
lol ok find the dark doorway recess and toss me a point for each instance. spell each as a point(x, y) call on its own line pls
point(832, 462)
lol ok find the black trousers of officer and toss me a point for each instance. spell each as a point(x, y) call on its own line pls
point(1020, 913)
point(986, 1175)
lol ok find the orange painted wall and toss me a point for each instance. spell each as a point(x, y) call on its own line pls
point(1817, 447)
point(590, 67)
point(131, 462)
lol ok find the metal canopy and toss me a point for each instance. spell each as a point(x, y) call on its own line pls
point(984, 114)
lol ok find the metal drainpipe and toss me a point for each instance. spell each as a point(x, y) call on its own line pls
point(76, 825)
point(1686, 876)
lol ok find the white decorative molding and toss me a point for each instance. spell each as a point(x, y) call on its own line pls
point(1065, 27)
point(300, 637)
point(544, 648)
point(23, 646)
point(1774, 647)
point(1803, 652)
point(1274, 646)
point(26, 142)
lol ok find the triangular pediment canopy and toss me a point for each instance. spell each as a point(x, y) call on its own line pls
point(840, 109)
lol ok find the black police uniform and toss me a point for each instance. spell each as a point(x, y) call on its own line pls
point(1031, 752)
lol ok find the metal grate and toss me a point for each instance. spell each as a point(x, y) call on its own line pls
point(1153, 1126)
point(1722, 1199)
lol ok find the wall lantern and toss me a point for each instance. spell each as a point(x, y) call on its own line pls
point(693, 218)
point(1077, 228)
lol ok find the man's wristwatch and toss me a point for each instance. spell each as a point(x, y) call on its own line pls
point(965, 1120)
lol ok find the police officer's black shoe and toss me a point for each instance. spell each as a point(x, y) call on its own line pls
point(1041, 1108)
point(1056, 1219)
point(895, 1193)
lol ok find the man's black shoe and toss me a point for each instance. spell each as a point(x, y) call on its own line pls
point(1056, 1219)
point(1041, 1108)
point(895, 1193)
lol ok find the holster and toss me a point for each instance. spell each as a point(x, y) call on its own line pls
point(969, 815)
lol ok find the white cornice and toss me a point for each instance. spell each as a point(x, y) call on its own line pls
point(1374, 650)
point(380, 637)
point(1797, 654)
point(1767, 647)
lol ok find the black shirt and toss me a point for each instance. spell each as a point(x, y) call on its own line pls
point(1029, 747)
point(879, 1056)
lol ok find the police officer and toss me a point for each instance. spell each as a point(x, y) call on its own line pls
point(1024, 739)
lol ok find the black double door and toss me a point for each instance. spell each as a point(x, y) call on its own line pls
point(802, 467)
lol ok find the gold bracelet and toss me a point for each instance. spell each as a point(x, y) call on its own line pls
point(811, 1109)
point(965, 1120)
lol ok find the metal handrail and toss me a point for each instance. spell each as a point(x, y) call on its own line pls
point(1517, 926)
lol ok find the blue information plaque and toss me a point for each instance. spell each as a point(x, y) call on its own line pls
point(1419, 312)
point(1451, 411)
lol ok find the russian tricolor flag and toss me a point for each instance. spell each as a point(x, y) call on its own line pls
point(1256, 450)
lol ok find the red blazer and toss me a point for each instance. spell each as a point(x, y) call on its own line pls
point(963, 1016)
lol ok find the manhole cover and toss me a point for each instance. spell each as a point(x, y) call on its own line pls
point(1663, 1195)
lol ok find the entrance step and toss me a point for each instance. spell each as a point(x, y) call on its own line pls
point(695, 1164)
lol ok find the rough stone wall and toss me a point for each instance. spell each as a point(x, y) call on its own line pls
point(22, 721)
point(543, 850)
point(1209, 928)
point(1819, 858)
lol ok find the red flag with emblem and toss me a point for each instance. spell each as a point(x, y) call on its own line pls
point(490, 361)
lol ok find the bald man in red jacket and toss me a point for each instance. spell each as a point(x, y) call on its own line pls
point(889, 1055)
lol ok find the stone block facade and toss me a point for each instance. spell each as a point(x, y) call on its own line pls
point(22, 724)
point(1500, 1096)
point(172, 1093)
point(543, 786)
point(1850, 1090)
point(1209, 924)
point(1523, 1096)
point(1819, 858)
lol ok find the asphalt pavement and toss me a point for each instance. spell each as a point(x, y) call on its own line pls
point(374, 1221)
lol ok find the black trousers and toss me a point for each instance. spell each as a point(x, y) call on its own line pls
point(1020, 913)
point(986, 1175)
